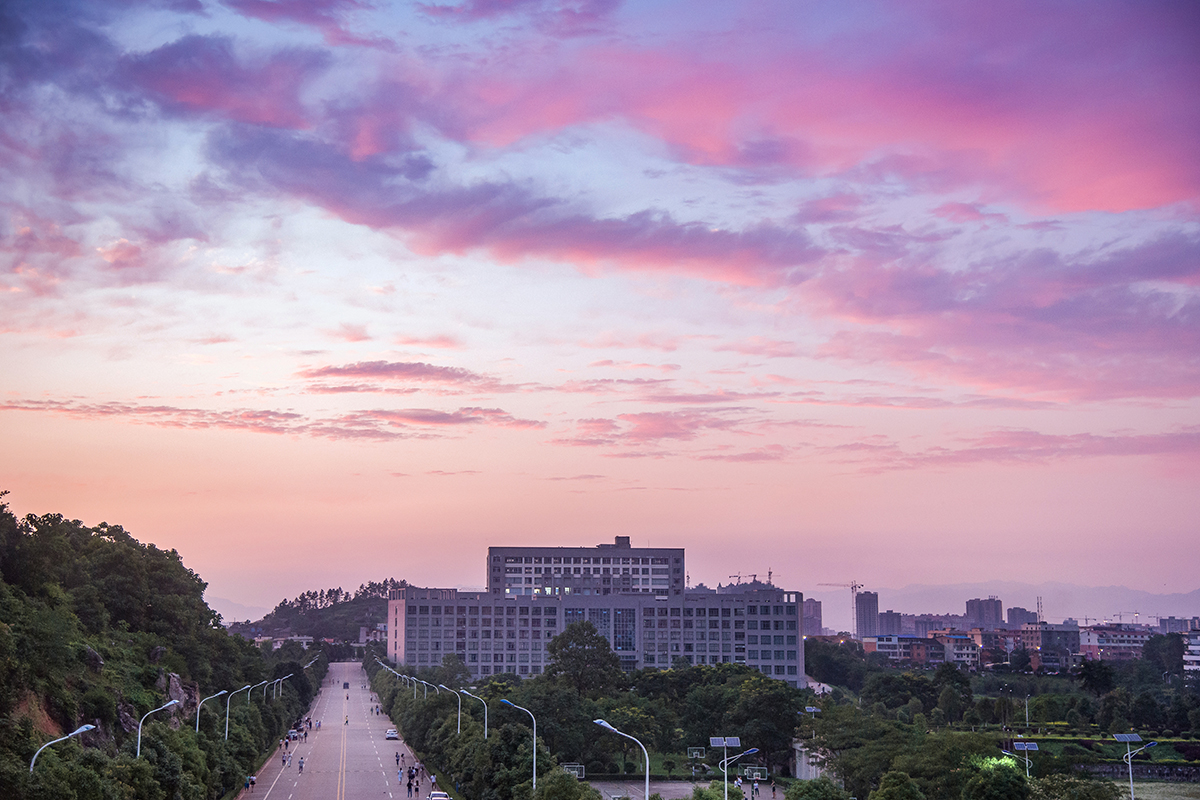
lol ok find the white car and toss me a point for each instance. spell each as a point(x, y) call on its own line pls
point(438, 796)
point(391, 734)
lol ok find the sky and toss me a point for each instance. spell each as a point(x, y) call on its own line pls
point(319, 292)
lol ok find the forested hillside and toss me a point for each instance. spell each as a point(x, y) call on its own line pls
point(97, 628)
point(325, 614)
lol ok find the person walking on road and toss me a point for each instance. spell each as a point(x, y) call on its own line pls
point(301, 765)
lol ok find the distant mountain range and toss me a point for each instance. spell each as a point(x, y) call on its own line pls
point(235, 612)
point(1059, 601)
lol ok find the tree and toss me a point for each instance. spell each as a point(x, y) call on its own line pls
point(582, 658)
point(820, 789)
point(996, 779)
point(559, 784)
point(950, 703)
point(1165, 652)
point(1096, 677)
point(896, 786)
point(1071, 787)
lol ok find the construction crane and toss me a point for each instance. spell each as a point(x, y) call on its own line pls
point(752, 576)
point(853, 586)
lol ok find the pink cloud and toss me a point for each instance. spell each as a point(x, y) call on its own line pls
point(441, 342)
point(1028, 448)
point(397, 370)
point(1095, 326)
point(203, 74)
point(760, 346)
point(349, 332)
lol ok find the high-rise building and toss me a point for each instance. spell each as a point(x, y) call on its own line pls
point(812, 618)
point(1018, 616)
point(889, 623)
point(506, 627)
point(987, 614)
point(866, 614)
point(604, 569)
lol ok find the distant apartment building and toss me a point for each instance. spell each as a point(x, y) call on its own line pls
point(1051, 646)
point(1117, 642)
point(1018, 616)
point(958, 648)
point(923, 624)
point(984, 613)
point(507, 627)
point(1178, 625)
point(812, 618)
point(1191, 656)
point(889, 623)
point(944, 646)
point(866, 614)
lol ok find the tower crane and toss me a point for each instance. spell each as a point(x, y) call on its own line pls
point(853, 586)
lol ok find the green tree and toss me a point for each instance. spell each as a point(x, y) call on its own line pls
point(1072, 787)
point(996, 779)
point(558, 784)
point(583, 659)
point(820, 789)
point(896, 785)
point(950, 703)
point(1096, 677)
point(1165, 652)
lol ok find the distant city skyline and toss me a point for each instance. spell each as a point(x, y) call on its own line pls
point(322, 291)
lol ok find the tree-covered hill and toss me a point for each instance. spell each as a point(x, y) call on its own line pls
point(325, 614)
point(97, 628)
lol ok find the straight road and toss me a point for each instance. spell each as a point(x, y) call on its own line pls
point(348, 758)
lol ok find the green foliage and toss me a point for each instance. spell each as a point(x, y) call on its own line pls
point(558, 784)
point(1071, 787)
point(896, 786)
point(583, 659)
point(716, 791)
point(996, 779)
point(94, 626)
point(820, 789)
point(1096, 677)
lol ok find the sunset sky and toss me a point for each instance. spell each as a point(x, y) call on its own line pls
point(326, 291)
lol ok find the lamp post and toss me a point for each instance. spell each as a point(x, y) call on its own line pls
point(609, 727)
point(76, 732)
point(508, 702)
point(143, 719)
point(210, 697)
point(255, 686)
point(725, 743)
point(480, 699)
point(279, 688)
point(227, 702)
point(1129, 738)
point(459, 696)
point(1025, 747)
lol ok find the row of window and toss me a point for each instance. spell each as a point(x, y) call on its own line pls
point(579, 560)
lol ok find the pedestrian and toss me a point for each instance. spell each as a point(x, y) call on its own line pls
point(399, 776)
point(772, 789)
point(284, 757)
point(247, 787)
point(253, 780)
point(410, 787)
point(301, 765)
point(397, 758)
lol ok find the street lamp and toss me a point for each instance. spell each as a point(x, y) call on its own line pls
point(459, 696)
point(1128, 738)
point(1024, 747)
point(508, 702)
point(279, 683)
point(609, 727)
point(255, 686)
point(143, 719)
point(480, 699)
point(76, 732)
point(725, 743)
point(210, 697)
point(227, 702)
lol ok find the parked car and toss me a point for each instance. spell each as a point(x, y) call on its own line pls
point(391, 734)
point(438, 796)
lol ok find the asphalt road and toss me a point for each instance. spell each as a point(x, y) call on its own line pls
point(348, 758)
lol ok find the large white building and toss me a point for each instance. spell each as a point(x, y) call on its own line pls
point(649, 623)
